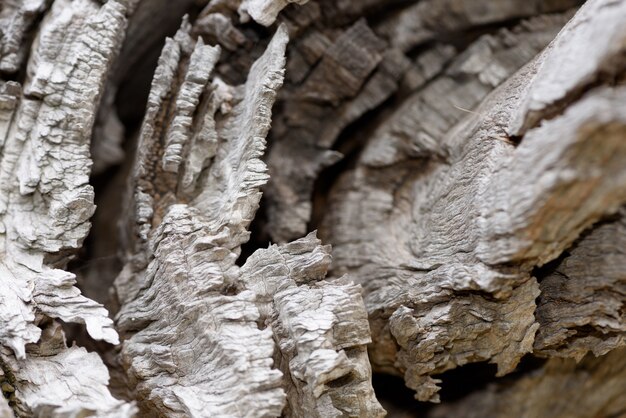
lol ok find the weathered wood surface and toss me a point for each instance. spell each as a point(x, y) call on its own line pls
point(17, 19)
point(463, 159)
point(46, 202)
point(467, 222)
point(200, 143)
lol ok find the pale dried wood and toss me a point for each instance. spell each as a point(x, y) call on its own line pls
point(530, 224)
point(468, 167)
point(320, 328)
point(424, 288)
point(182, 292)
point(46, 199)
point(560, 81)
point(193, 247)
point(264, 11)
point(45, 205)
point(56, 381)
point(5, 409)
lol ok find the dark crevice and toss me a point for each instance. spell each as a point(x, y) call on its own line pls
point(385, 11)
point(76, 334)
point(547, 269)
point(527, 364)
point(467, 36)
point(612, 78)
point(342, 381)
point(463, 381)
point(350, 142)
point(418, 50)
point(585, 331)
point(323, 185)
point(88, 258)
point(344, 13)
point(396, 398)
point(259, 237)
point(460, 382)
point(456, 384)
point(134, 73)
point(98, 261)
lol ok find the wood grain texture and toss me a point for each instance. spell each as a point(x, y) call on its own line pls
point(57, 381)
point(467, 221)
point(183, 245)
point(45, 205)
point(200, 145)
point(320, 329)
point(308, 195)
point(17, 19)
point(560, 81)
point(580, 306)
point(425, 289)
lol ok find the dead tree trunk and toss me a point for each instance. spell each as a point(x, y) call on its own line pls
point(296, 200)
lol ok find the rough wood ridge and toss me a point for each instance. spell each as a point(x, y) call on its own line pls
point(257, 208)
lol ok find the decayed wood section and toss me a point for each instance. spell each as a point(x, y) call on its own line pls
point(295, 196)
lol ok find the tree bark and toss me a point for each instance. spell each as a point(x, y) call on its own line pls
point(296, 197)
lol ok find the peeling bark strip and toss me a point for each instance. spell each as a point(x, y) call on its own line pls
point(463, 160)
